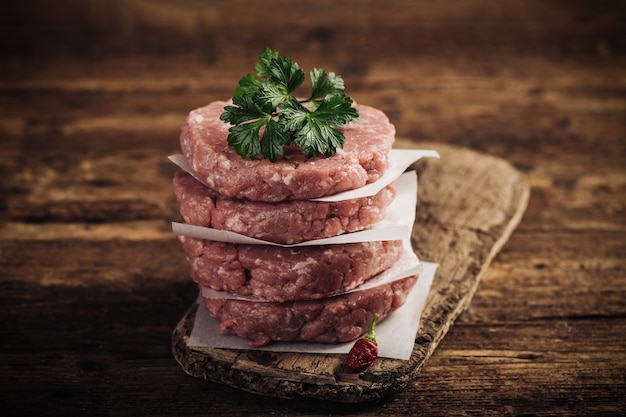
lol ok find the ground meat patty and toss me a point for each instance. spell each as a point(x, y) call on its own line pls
point(283, 274)
point(286, 222)
point(329, 320)
point(363, 159)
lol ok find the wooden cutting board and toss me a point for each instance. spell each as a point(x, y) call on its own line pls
point(468, 205)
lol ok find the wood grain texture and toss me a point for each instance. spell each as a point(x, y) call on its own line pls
point(92, 282)
point(469, 204)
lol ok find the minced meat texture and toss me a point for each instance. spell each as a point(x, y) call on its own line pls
point(329, 320)
point(282, 274)
point(363, 159)
point(286, 222)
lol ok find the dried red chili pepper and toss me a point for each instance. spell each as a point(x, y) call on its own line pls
point(364, 350)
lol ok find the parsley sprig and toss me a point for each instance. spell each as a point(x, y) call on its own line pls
point(266, 116)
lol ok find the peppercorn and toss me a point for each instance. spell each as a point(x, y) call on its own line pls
point(365, 350)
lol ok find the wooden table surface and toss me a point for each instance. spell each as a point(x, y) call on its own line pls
point(92, 281)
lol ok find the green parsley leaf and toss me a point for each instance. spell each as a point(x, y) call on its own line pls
point(274, 94)
point(266, 106)
point(249, 86)
point(317, 137)
point(336, 110)
point(286, 74)
point(315, 132)
point(245, 138)
point(325, 84)
point(273, 140)
point(264, 66)
point(245, 109)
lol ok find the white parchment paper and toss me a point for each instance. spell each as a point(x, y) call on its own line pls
point(395, 334)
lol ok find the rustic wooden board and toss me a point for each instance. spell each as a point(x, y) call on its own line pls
point(468, 205)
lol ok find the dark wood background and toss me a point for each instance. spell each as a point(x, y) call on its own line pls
point(92, 282)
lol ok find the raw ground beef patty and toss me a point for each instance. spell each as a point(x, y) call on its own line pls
point(282, 274)
point(363, 159)
point(286, 222)
point(329, 320)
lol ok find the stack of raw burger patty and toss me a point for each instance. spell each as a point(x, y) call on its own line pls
point(300, 289)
